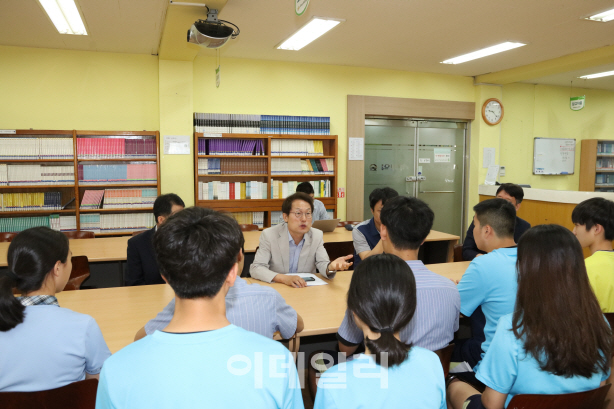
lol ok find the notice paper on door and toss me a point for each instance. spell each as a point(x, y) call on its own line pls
point(356, 149)
point(442, 154)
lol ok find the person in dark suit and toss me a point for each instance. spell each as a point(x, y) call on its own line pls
point(513, 194)
point(142, 267)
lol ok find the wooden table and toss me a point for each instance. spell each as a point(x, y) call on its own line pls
point(121, 311)
point(114, 248)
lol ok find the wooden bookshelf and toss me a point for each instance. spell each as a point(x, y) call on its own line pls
point(267, 205)
point(76, 190)
point(589, 170)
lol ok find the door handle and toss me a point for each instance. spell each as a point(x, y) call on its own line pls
point(437, 191)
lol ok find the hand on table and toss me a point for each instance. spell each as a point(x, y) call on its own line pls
point(341, 263)
point(290, 280)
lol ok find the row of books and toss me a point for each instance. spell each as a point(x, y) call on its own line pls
point(302, 167)
point(282, 189)
point(256, 218)
point(116, 223)
point(13, 202)
point(119, 173)
point(605, 178)
point(604, 147)
point(232, 166)
point(115, 148)
point(36, 148)
point(296, 147)
point(54, 221)
point(605, 163)
point(278, 218)
point(15, 175)
point(236, 147)
point(231, 190)
point(119, 198)
point(261, 124)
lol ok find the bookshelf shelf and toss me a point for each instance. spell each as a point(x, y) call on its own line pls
point(302, 176)
point(36, 186)
point(303, 157)
point(119, 160)
point(236, 175)
point(34, 160)
point(37, 212)
point(81, 185)
point(233, 156)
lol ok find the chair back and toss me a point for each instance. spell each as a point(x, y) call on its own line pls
point(593, 399)
point(248, 227)
point(79, 273)
point(76, 395)
point(339, 249)
point(7, 237)
point(445, 355)
point(79, 234)
point(458, 252)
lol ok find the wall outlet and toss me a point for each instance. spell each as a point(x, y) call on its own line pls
point(501, 170)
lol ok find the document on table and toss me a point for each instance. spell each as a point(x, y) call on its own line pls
point(318, 280)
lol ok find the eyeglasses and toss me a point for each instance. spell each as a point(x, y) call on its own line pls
point(300, 215)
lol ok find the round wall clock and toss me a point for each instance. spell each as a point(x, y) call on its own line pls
point(492, 111)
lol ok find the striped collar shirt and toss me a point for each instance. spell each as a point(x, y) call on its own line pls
point(38, 300)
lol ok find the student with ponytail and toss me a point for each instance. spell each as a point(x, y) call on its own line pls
point(43, 346)
point(391, 374)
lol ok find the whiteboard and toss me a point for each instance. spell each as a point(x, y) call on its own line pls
point(554, 156)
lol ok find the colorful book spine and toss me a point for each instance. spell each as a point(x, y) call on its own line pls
point(231, 147)
point(116, 223)
point(116, 148)
point(231, 166)
point(132, 173)
point(218, 124)
point(218, 190)
point(291, 166)
point(12, 202)
point(36, 175)
point(256, 218)
point(282, 189)
point(54, 221)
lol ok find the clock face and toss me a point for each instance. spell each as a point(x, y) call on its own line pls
point(493, 112)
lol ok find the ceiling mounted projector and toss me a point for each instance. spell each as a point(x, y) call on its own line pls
point(212, 33)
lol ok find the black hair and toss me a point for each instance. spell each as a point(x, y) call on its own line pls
point(498, 214)
point(513, 190)
point(595, 211)
point(286, 206)
point(306, 188)
point(382, 295)
point(196, 249)
point(383, 194)
point(31, 256)
point(164, 205)
point(408, 221)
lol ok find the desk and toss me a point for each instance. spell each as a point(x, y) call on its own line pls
point(121, 311)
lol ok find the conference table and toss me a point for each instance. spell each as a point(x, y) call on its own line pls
point(122, 311)
point(106, 249)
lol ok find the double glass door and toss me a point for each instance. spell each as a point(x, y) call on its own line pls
point(424, 159)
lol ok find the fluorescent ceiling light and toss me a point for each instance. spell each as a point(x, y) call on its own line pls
point(602, 17)
point(65, 16)
point(483, 53)
point(598, 75)
point(315, 28)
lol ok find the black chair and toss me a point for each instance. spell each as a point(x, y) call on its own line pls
point(593, 399)
point(76, 395)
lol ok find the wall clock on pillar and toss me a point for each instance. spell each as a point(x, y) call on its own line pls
point(492, 111)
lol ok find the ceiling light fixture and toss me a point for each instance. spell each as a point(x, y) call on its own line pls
point(483, 53)
point(315, 28)
point(65, 16)
point(602, 17)
point(598, 75)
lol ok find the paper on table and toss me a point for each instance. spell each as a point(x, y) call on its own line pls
point(318, 280)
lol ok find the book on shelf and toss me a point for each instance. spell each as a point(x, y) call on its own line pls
point(296, 147)
point(256, 218)
point(217, 190)
point(231, 147)
point(54, 221)
point(129, 198)
point(216, 124)
point(605, 147)
point(118, 173)
point(91, 199)
point(605, 163)
point(604, 178)
point(36, 174)
point(116, 223)
point(13, 202)
point(282, 189)
point(230, 166)
point(288, 166)
point(36, 148)
point(116, 148)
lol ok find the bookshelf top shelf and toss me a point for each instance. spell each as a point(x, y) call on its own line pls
point(266, 136)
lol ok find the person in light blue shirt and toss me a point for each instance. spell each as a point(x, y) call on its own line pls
point(319, 210)
point(43, 346)
point(391, 373)
point(556, 341)
point(200, 359)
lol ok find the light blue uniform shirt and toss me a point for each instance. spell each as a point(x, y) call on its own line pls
point(360, 383)
point(252, 307)
point(51, 348)
point(295, 252)
point(319, 211)
point(490, 281)
point(506, 368)
point(225, 368)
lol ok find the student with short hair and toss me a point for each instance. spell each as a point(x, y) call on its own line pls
point(294, 247)
point(391, 373)
point(556, 340)
point(200, 358)
point(366, 235)
point(142, 268)
point(319, 211)
point(43, 346)
point(437, 311)
point(593, 221)
point(512, 193)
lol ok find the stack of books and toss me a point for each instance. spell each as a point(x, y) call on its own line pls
point(35, 148)
point(210, 123)
point(121, 173)
point(54, 221)
point(35, 175)
point(231, 147)
point(302, 167)
point(115, 148)
point(296, 147)
point(216, 190)
point(282, 189)
point(116, 223)
point(232, 166)
point(12, 202)
point(256, 218)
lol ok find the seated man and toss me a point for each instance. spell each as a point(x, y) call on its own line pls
point(513, 194)
point(142, 268)
point(490, 280)
point(438, 302)
point(199, 355)
point(319, 211)
point(366, 235)
point(593, 221)
point(294, 247)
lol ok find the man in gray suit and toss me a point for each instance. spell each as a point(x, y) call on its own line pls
point(294, 247)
